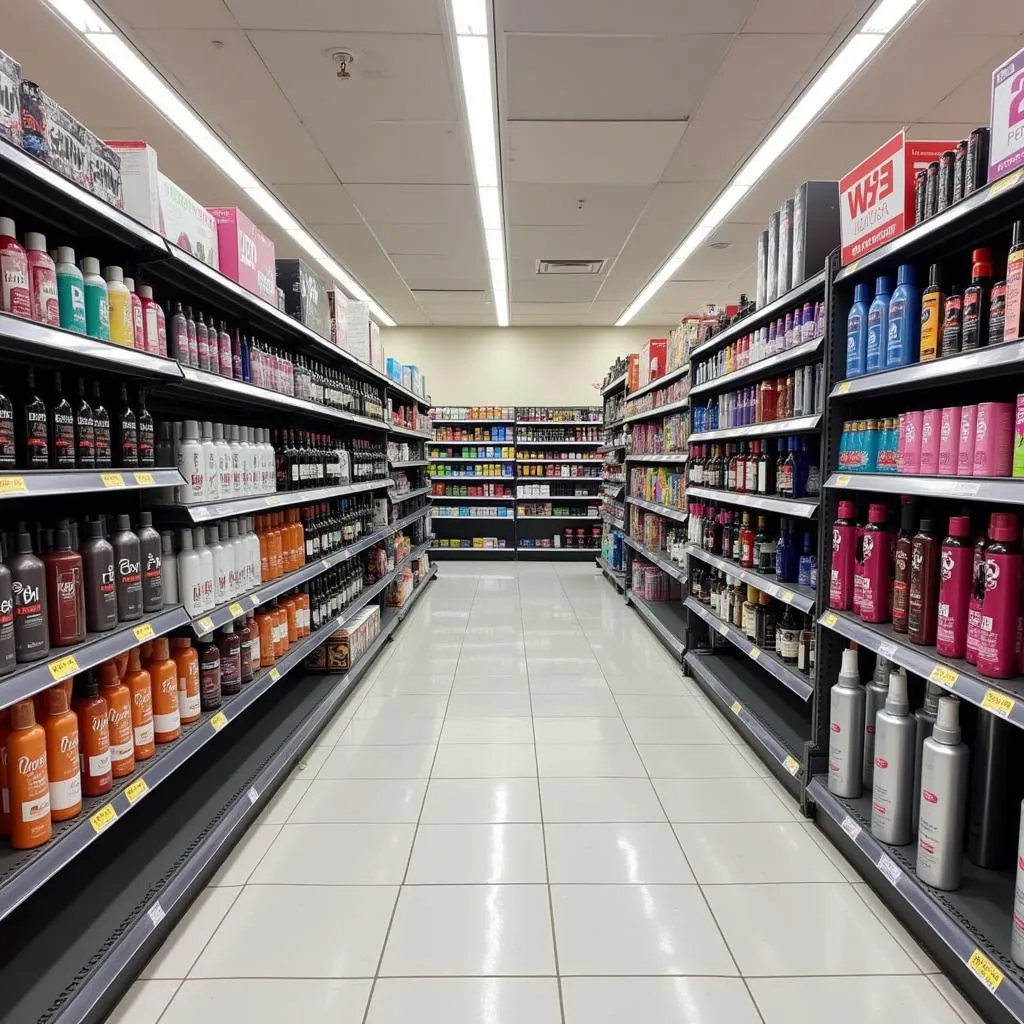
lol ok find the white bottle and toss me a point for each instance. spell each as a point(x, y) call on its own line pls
point(846, 735)
point(269, 464)
point(924, 721)
point(223, 460)
point(257, 460)
point(236, 460)
point(221, 566)
point(240, 558)
point(255, 568)
point(169, 569)
point(212, 477)
point(247, 461)
point(190, 576)
point(191, 465)
point(1017, 934)
point(205, 567)
point(892, 795)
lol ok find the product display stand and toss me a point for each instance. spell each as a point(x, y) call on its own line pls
point(612, 558)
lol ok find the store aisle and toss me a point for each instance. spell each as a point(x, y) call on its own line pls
point(526, 815)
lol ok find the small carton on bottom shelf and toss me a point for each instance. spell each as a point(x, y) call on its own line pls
point(347, 645)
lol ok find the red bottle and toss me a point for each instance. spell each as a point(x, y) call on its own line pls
point(844, 546)
point(65, 592)
point(874, 564)
point(924, 585)
point(901, 570)
point(15, 290)
point(998, 640)
point(974, 604)
point(954, 589)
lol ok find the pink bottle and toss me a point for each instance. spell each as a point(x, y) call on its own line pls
point(161, 327)
point(911, 426)
point(993, 447)
point(15, 291)
point(968, 426)
point(138, 324)
point(949, 440)
point(875, 563)
point(42, 280)
point(844, 545)
point(931, 429)
point(955, 562)
point(998, 637)
point(974, 604)
point(151, 314)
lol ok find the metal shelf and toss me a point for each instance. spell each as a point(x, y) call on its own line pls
point(665, 378)
point(558, 444)
point(474, 497)
point(763, 315)
point(474, 551)
point(464, 477)
point(775, 667)
point(680, 515)
point(558, 551)
point(662, 410)
point(665, 459)
point(1005, 489)
point(618, 382)
point(665, 619)
point(566, 479)
point(801, 508)
point(394, 428)
point(441, 423)
point(410, 463)
point(531, 518)
point(795, 425)
point(48, 482)
point(451, 458)
point(560, 462)
point(801, 598)
point(614, 521)
point(280, 499)
point(399, 499)
point(491, 519)
point(1002, 697)
point(762, 368)
point(659, 558)
point(559, 423)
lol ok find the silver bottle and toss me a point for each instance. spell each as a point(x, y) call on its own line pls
point(846, 734)
point(943, 800)
point(875, 694)
point(892, 794)
point(925, 718)
point(1017, 935)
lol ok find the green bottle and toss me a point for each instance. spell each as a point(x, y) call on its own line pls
point(70, 291)
point(97, 301)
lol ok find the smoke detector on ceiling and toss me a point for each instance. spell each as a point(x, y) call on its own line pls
point(719, 245)
point(570, 266)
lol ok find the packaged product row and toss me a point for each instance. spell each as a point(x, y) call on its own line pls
point(659, 535)
point(475, 452)
point(562, 469)
point(439, 470)
point(649, 401)
point(553, 508)
point(409, 417)
point(441, 489)
point(613, 549)
point(653, 584)
point(653, 438)
point(581, 537)
point(471, 511)
point(560, 435)
point(440, 413)
point(577, 493)
point(404, 451)
point(473, 434)
point(791, 470)
point(476, 543)
point(557, 414)
point(348, 644)
point(614, 407)
point(660, 484)
point(798, 393)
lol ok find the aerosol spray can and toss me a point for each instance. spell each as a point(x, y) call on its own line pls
point(875, 694)
point(846, 735)
point(892, 794)
point(924, 716)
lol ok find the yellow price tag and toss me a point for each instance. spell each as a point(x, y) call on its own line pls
point(998, 703)
point(136, 791)
point(830, 620)
point(851, 267)
point(112, 479)
point(843, 387)
point(13, 485)
point(218, 721)
point(274, 674)
point(791, 764)
point(787, 596)
point(1002, 185)
point(206, 625)
point(270, 499)
point(236, 610)
point(103, 818)
point(944, 675)
point(986, 971)
point(255, 599)
point(144, 479)
point(843, 480)
point(63, 667)
point(143, 632)
point(755, 653)
point(736, 707)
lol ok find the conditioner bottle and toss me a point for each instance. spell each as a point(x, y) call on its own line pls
point(924, 717)
point(893, 789)
point(27, 780)
point(62, 755)
point(875, 693)
point(846, 735)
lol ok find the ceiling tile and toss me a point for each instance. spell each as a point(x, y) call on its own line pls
point(543, 288)
point(326, 204)
point(575, 77)
point(574, 205)
point(969, 101)
point(461, 266)
point(710, 264)
point(986, 17)
point(602, 152)
point(712, 147)
point(416, 204)
point(333, 15)
point(796, 16)
point(426, 239)
point(658, 17)
point(550, 308)
point(133, 14)
point(405, 152)
point(566, 243)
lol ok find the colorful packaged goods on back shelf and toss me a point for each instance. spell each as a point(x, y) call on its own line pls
point(652, 438)
point(461, 413)
point(651, 401)
point(653, 584)
point(660, 484)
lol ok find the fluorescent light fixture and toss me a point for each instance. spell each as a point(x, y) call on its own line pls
point(475, 67)
point(470, 17)
point(490, 208)
point(827, 84)
point(125, 60)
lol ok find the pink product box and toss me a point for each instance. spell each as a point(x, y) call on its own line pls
point(908, 455)
point(246, 254)
point(949, 440)
point(993, 452)
point(931, 428)
point(968, 426)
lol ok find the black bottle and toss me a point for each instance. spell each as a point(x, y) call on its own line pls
point(8, 445)
point(85, 431)
point(61, 427)
point(101, 428)
point(147, 433)
point(35, 448)
point(127, 433)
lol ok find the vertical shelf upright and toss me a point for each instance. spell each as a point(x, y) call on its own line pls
point(612, 557)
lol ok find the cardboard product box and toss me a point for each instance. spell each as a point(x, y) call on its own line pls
point(35, 107)
point(376, 347)
point(337, 302)
point(105, 172)
point(246, 254)
point(400, 591)
point(417, 383)
point(784, 260)
point(652, 360)
point(305, 296)
point(187, 224)
point(815, 227)
point(772, 282)
point(632, 371)
point(761, 285)
point(357, 329)
point(394, 369)
point(140, 181)
point(406, 380)
point(10, 99)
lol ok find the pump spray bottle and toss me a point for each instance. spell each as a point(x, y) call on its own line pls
point(892, 793)
point(874, 696)
point(924, 718)
point(846, 734)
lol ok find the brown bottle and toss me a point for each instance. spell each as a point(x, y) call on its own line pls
point(924, 585)
point(186, 661)
point(98, 577)
point(230, 646)
point(901, 569)
point(65, 592)
point(209, 675)
point(93, 737)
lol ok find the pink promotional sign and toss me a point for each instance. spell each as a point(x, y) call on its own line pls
point(246, 254)
point(1006, 147)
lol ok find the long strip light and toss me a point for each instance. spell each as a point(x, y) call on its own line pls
point(885, 17)
point(100, 35)
point(472, 40)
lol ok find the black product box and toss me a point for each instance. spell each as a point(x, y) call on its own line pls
point(785, 260)
point(761, 289)
point(35, 104)
point(815, 227)
point(105, 172)
point(305, 296)
point(68, 144)
point(772, 283)
point(10, 99)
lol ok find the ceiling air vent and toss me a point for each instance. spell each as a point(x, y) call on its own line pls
point(570, 266)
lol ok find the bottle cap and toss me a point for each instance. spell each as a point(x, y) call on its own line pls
point(1003, 527)
point(223, 530)
point(65, 254)
point(218, 431)
point(122, 522)
point(862, 294)
point(959, 526)
point(199, 536)
point(185, 540)
point(982, 263)
point(167, 542)
point(61, 540)
point(145, 519)
point(207, 430)
point(926, 526)
point(905, 274)
point(7, 227)
point(947, 722)
point(907, 516)
point(932, 694)
point(877, 513)
point(180, 643)
point(849, 674)
point(847, 510)
point(161, 650)
point(191, 430)
point(56, 700)
point(113, 274)
point(35, 241)
point(144, 291)
point(91, 266)
point(883, 286)
point(23, 541)
point(23, 714)
point(896, 702)
point(934, 274)
point(93, 530)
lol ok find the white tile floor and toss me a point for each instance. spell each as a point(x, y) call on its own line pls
point(526, 815)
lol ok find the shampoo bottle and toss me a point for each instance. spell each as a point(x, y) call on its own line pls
point(8, 655)
point(975, 314)
point(844, 544)
point(28, 587)
point(977, 595)
point(931, 316)
point(42, 276)
point(150, 552)
point(874, 567)
point(27, 780)
point(62, 753)
point(186, 661)
point(878, 326)
point(846, 735)
point(892, 792)
point(857, 332)
point(140, 686)
point(954, 589)
point(93, 737)
point(65, 592)
point(901, 568)
point(70, 291)
point(127, 570)
point(904, 320)
point(97, 302)
point(190, 576)
point(924, 585)
point(163, 676)
point(874, 700)
point(119, 720)
point(998, 634)
point(138, 321)
point(15, 291)
point(119, 299)
point(168, 570)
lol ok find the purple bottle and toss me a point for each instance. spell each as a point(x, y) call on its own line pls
point(227, 368)
point(179, 336)
point(998, 636)
point(955, 562)
point(193, 342)
point(844, 545)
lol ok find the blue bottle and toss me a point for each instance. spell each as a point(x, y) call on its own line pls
point(904, 320)
point(857, 332)
point(878, 326)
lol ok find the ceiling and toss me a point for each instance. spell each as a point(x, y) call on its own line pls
point(619, 123)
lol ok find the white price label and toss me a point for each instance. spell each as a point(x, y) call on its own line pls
point(850, 827)
point(253, 795)
point(889, 868)
point(887, 649)
point(156, 913)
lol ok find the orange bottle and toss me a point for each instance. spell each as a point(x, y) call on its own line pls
point(254, 642)
point(93, 738)
point(27, 780)
point(163, 674)
point(141, 688)
point(290, 609)
point(295, 558)
point(186, 662)
point(275, 547)
point(280, 618)
point(5, 793)
point(119, 717)
point(265, 622)
point(264, 539)
point(62, 766)
point(300, 542)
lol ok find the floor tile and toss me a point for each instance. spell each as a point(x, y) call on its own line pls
point(422, 705)
point(676, 731)
point(956, 999)
point(465, 1001)
point(487, 730)
point(695, 800)
point(583, 682)
point(477, 855)
point(182, 947)
point(669, 683)
point(580, 730)
point(284, 801)
point(269, 1001)
point(678, 761)
point(336, 855)
point(379, 762)
point(842, 865)
point(478, 801)
point(599, 800)
point(754, 852)
point(309, 764)
point(485, 761)
point(470, 930)
point(589, 760)
point(590, 704)
point(623, 852)
point(489, 705)
point(411, 683)
point(491, 684)
point(924, 963)
point(657, 1001)
point(767, 926)
point(543, 665)
point(637, 930)
point(242, 860)
point(378, 801)
point(300, 931)
point(389, 731)
point(655, 705)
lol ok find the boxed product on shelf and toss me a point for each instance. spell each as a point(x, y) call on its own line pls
point(246, 254)
point(815, 227)
point(140, 180)
point(10, 99)
point(652, 360)
point(337, 302)
point(305, 295)
point(362, 335)
point(105, 177)
point(346, 646)
point(401, 589)
point(185, 223)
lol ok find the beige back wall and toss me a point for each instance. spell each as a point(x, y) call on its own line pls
point(514, 365)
